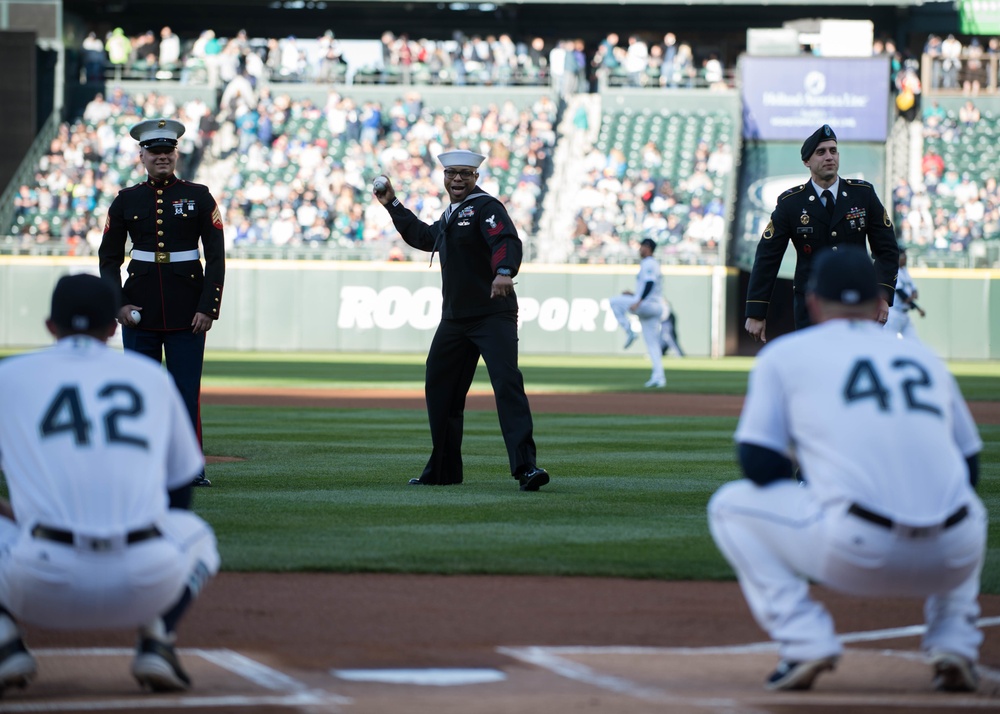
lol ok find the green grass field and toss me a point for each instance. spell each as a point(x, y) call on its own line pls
point(325, 489)
point(979, 380)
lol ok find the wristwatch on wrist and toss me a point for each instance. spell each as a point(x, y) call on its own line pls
point(503, 271)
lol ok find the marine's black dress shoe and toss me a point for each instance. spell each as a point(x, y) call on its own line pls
point(533, 479)
point(415, 482)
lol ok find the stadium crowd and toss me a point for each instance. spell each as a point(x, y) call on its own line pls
point(293, 173)
point(289, 172)
point(971, 68)
point(620, 204)
point(326, 157)
point(638, 59)
point(954, 207)
point(500, 60)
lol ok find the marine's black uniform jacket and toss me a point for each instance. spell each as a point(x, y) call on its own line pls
point(478, 238)
point(166, 216)
point(801, 217)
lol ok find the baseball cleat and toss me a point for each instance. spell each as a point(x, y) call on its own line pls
point(656, 383)
point(629, 339)
point(156, 666)
point(200, 480)
point(954, 673)
point(798, 675)
point(17, 666)
point(533, 479)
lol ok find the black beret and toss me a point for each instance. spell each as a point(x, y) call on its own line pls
point(844, 274)
point(824, 133)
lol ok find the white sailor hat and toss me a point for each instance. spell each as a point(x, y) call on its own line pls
point(461, 157)
point(157, 132)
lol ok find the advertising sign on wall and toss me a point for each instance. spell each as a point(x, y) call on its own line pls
point(787, 98)
point(979, 17)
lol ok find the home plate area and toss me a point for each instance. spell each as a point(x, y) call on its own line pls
point(549, 680)
point(99, 679)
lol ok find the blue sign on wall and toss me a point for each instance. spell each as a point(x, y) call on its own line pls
point(788, 98)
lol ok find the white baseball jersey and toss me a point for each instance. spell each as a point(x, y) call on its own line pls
point(91, 439)
point(870, 419)
point(881, 433)
point(899, 322)
point(904, 283)
point(649, 271)
point(649, 312)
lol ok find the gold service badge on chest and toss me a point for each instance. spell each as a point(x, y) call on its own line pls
point(804, 218)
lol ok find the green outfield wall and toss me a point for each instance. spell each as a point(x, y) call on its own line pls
point(394, 307)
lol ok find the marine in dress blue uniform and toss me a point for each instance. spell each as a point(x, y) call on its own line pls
point(802, 215)
point(480, 254)
point(177, 297)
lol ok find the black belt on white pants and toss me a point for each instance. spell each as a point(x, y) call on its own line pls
point(57, 535)
point(908, 531)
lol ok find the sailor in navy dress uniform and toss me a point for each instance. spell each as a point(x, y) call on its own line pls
point(177, 298)
point(480, 255)
point(826, 211)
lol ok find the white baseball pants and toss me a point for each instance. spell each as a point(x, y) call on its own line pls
point(64, 586)
point(777, 538)
point(650, 314)
point(900, 323)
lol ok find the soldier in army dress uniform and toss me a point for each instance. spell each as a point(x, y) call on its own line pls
point(177, 299)
point(826, 211)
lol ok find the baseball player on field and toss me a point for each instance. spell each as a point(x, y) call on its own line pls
point(668, 331)
point(890, 456)
point(899, 322)
point(99, 455)
point(647, 303)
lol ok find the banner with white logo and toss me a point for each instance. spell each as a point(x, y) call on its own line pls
point(788, 98)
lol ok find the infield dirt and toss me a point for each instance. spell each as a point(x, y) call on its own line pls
point(306, 624)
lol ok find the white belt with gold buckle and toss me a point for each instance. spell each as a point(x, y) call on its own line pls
point(158, 256)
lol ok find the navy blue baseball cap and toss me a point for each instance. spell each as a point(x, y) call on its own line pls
point(844, 274)
point(83, 303)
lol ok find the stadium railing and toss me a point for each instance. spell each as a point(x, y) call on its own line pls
point(25, 171)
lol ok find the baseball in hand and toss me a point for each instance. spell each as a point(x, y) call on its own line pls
point(136, 317)
point(379, 185)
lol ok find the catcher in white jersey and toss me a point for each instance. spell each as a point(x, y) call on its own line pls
point(890, 457)
point(647, 303)
point(99, 455)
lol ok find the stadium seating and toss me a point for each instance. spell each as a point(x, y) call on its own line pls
point(679, 143)
point(961, 225)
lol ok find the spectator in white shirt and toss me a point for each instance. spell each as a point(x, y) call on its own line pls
point(170, 49)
